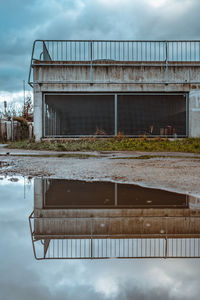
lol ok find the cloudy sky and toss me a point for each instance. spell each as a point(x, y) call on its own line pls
point(22, 21)
point(22, 277)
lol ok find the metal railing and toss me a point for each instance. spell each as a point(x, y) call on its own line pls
point(117, 52)
point(107, 248)
point(86, 50)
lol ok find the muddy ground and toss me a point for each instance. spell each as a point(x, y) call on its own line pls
point(172, 171)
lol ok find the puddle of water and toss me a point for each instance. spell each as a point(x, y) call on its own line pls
point(3, 164)
point(122, 230)
point(59, 155)
point(157, 156)
point(96, 220)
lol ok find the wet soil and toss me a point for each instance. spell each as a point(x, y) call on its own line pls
point(173, 171)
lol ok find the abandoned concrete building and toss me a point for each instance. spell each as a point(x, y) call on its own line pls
point(106, 88)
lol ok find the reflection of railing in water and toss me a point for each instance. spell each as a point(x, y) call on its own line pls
point(120, 248)
point(104, 245)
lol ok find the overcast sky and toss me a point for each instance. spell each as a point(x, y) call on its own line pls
point(24, 278)
point(22, 21)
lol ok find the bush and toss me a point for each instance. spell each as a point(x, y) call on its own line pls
point(24, 127)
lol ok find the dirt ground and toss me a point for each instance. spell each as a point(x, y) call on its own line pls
point(171, 171)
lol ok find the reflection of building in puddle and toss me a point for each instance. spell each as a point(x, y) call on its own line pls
point(76, 219)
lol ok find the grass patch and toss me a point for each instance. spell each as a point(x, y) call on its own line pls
point(190, 145)
point(70, 155)
point(141, 157)
point(157, 156)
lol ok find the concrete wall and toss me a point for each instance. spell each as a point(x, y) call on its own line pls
point(194, 113)
point(105, 77)
point(122, 226)
point(38, 193)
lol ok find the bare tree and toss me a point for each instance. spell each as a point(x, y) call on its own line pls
point(13, 110)
point(27, 111)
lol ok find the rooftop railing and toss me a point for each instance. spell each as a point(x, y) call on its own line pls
point(112, 248)
point(115, 51)
point(79, 50)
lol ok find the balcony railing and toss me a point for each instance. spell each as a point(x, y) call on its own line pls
point(116, 52)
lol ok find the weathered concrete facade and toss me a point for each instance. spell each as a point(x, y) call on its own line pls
point(119, 77)
point(112, 76)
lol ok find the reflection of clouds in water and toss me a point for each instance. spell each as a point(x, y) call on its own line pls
point(163, 280)
point(15, 198)
point(22, 277)
point(106, 286)
point(9, 181)
point(92, 282)
point(15, 181)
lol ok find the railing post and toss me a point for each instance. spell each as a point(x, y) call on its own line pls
point(30, 68)
point(166, 247)
point(166, 237)
point(91, 239)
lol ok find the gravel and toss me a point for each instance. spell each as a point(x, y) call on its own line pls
point(176, 171)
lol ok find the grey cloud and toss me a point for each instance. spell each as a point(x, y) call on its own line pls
point(29, 20)
point(29, 284)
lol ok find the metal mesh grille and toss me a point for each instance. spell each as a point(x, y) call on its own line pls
point(131, 115)
point(152, 114)
point(79, 115)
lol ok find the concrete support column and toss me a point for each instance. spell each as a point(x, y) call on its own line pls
point(37, 115)
point(38, 193)
point(194, 113)
point(194, 202)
